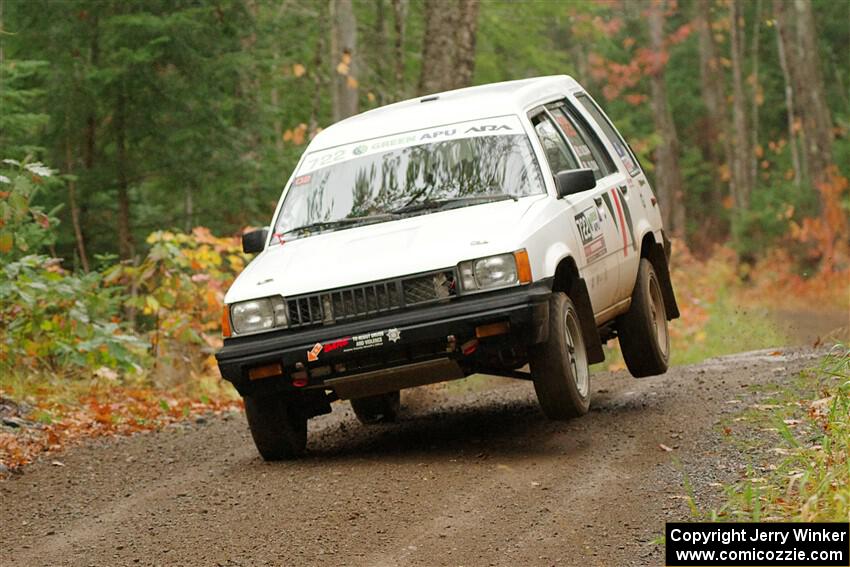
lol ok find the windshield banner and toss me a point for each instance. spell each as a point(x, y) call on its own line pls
point(498, 126)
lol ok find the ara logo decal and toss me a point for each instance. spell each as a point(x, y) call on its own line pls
point(488, 128)
point(361, 149)
point(590, 230)
point(394, 335)
point(313, 354)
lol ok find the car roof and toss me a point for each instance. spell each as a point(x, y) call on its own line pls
point(471, 103)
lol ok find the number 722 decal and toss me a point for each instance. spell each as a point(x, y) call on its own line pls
point(590, 229)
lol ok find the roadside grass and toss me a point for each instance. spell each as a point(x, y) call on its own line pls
point(803, 445)
point(729, 327)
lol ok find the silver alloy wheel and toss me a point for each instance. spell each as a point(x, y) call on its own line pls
point(659, 315)
point(577, 353)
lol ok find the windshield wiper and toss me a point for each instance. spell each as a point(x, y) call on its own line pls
point(347, 222)
point(452, 202)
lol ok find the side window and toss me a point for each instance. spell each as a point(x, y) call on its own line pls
point(591, 153)
point(614, 137)
point(558, 155)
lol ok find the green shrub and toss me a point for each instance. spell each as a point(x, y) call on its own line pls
point(55, 321)
point(24, 228)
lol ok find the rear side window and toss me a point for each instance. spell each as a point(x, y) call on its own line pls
point(614, 137)
point(591, 153)
point(558, 155)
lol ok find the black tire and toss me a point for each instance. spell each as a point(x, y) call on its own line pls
point(559, 366)
point(382, 408)
point(278, 428)
point(644, 338)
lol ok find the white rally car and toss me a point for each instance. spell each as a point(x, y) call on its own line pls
point(473, 231)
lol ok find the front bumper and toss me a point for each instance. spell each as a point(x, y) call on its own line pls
point(399, 339)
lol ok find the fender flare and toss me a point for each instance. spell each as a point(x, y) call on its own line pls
point(568, 280)
point(659, 255)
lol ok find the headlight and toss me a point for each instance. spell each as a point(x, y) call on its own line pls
point(502, 270)
point(258, 314)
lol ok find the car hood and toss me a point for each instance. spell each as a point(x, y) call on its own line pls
point(383, 250)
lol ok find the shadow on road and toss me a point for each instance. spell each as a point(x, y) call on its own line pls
point(503, 423)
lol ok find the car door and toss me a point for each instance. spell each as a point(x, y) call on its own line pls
point(636, 195)
point(590, 222)
point(593, 154)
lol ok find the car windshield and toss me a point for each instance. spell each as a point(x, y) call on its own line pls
point(408, 174)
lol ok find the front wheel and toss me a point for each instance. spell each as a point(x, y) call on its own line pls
point(644, 338)
point(559, 366)
point(278, 428)
point(382, 408)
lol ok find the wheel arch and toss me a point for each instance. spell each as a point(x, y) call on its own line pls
point(658, 254)
point(568, 280)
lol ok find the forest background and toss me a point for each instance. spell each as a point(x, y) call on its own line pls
point(140, 138)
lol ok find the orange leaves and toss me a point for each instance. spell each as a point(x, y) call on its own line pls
point(297, 135)
point(299, 70)
point(102, 413)
point(827, 232)
point(636, 99)
point(344, 65)
point(5, 242)
point(681, 34)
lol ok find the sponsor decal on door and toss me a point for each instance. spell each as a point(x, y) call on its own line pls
point(590, 229)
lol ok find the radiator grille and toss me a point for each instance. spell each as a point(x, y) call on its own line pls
point(368, 300)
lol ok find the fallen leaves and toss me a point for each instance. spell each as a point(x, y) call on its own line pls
point(116, 411)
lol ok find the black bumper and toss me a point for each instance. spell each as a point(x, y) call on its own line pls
point(404, 337)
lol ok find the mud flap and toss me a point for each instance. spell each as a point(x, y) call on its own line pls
point(658, 255)
point(592, 342)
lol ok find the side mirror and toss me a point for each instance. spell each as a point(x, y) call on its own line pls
point(574, 181)
point(255, 241)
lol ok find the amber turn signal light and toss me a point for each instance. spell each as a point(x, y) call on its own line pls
point(225, 322)
point(266, 371)
point(492, 329)
point(523, 266)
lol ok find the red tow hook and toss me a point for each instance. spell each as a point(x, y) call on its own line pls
point(469, 347)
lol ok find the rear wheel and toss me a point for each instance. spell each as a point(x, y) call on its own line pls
point(644, 338)
point(382, 408)
point(559, 366)
point(278, 428)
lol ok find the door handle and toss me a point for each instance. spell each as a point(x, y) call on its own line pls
point(624, 189)
point(598, 201)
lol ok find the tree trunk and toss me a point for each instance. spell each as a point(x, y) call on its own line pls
point(817, 121)
point(789, 91)
point(754, 109)
point(668, 177)
point(344, 59)
point(72, 198)
point(379, 57)
point(189, 208)
point(125, 234)
point(742, 154)
point(719, 148)
point(448, 50)
point(317, 80)
point(399, 20)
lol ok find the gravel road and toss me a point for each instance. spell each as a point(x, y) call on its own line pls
point(472, 475)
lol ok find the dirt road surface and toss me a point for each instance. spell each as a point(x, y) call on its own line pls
point(472, 475)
